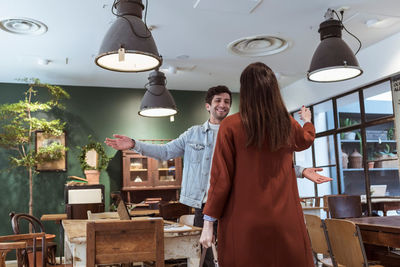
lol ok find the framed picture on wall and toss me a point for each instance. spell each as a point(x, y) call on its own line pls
point(44, 140)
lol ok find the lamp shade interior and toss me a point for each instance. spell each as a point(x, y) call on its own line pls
point(157, 112)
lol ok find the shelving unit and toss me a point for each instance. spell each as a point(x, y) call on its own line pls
point(145, 177)
point(378, 145)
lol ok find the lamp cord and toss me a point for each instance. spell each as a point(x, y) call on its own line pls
point(341, 22)
point(130, 25)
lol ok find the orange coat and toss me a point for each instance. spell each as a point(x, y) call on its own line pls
point(254, 195)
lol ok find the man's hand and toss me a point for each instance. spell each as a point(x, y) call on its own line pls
point(305, 114)
point(206, 237)
point(312, 175)
point(121, 142)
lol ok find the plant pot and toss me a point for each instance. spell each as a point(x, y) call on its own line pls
point(355, 160)
point(349, 135)
point(345, 160)
point(371, 164)
point(92, 176)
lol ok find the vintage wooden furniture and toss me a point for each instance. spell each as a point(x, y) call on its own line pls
point(14, 242)
point(319, 239)
point(344, 206)
point(81, 198)
point(102, 215)
point(379, 234)
point(172, 211)
point(382, 203)
point(346, 243)
point(145, 177)
point(18, 219)
point(23, 243)
point(187, 219)
point(111, 242)
point(180, 242)
point(312, 205)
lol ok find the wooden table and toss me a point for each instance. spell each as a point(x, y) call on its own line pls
point(382, 203)
point(178, 243)
point(63, 216)
point(381, 231)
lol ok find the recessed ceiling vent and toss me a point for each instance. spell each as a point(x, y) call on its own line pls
point(24, 26)
point(256, 46)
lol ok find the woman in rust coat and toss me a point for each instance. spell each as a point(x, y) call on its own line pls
point(253, 191)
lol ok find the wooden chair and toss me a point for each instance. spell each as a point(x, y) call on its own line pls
point(125, 242)
point(102, 215)
point(346, 243)
point(17, 219)
point(22, 243)
point(319, 239)
point(187, 219)
point(172, 211)
point(344, 206)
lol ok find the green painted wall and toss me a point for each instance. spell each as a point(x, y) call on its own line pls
point(99, 112)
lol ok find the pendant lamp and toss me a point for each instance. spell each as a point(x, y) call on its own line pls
point(157, 101)
point(128, 46)
point(333, 60)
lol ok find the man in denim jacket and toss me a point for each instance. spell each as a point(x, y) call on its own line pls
point(196, 145)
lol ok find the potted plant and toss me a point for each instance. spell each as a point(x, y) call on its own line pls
point(346, 123)
point(20, 121)
point(93, 160)
point(384, 159)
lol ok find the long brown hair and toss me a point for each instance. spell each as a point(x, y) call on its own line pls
point(261, 108)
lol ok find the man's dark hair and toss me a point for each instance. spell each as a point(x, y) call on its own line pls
point(216, 90)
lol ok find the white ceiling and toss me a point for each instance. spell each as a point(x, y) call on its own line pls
point(191, 35)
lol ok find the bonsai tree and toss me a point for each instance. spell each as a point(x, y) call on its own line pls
point(19, 122)
point(93, 160)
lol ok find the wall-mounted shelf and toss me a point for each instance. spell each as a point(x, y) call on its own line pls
point(372, 169)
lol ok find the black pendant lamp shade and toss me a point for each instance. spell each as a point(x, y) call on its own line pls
point(157, 101)
point(333, 59)
point(128, 46)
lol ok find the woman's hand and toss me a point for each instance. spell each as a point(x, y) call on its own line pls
point(206, 237)
point(305, 114)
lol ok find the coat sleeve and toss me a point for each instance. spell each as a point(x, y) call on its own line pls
point(222, 173)
point(303, 137)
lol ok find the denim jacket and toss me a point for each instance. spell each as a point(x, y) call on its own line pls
point(196, 145)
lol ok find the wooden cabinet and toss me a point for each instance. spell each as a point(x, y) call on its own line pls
point(145, 177)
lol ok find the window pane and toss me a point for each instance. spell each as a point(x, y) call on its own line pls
point(328, 188)
point(296, 116)
point(352, 171)
point(304, 159)
point(349, 110)
point(378, 101)
point(382, 159)
point(324, 151)
point(323, 116)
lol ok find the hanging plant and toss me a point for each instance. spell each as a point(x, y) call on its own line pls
point(102, 159)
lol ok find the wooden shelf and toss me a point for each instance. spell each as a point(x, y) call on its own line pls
point(368, 141)
point(166, 169)
point(138, 170)
point(136, 188)
point(372, 169)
